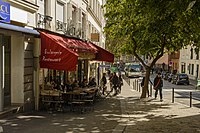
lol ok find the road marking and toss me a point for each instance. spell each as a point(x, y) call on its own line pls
point(1, 129)
point(177, 90)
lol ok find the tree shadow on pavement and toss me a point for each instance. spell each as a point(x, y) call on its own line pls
point(130, 114)
point(104, 118)
point(153, 116)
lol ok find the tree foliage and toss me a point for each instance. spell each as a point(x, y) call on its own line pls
point(151, 27)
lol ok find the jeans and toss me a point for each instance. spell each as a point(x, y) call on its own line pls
point(160, 91)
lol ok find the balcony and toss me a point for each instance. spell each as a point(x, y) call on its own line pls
point(70, 29)
point(61, 26)
point(43, 21)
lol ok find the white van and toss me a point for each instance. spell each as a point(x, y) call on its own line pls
point(135, 70)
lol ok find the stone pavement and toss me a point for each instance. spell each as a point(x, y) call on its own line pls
point(124, 113)
point(153, 116)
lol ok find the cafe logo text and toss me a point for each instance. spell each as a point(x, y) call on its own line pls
point(51, 56)
point(4, 12)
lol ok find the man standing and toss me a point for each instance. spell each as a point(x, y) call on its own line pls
point(115, 81)
point(158, 84)
point(104, 82)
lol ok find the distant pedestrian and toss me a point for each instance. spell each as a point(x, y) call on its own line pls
point(120, 84)
point(115, 81)
point(103, 83)
point(158, 84)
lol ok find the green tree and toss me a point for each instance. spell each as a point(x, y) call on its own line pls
point(151, 27)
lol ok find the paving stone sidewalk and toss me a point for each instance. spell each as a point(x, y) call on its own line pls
point(124, 113)
point(152, 116)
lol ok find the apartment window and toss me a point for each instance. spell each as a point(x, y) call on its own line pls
point(83, 25)
point(93, 7)
point(90, 3)
point(192, 69)
point(191, 53)
point(74, 10)
point(183, 68)
point(89, 30)
point(197, 53)
point(59, 11)
point(189, 68)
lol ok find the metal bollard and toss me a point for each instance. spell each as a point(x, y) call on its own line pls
point(172, 95)
point(133, 85)
point(190, 99)
point(137, 85)
point(151, 90)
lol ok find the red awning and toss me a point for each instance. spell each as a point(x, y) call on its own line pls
point(55, 54)
point(103, 55)
point(73, 44)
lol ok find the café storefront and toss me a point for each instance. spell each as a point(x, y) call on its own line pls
point(66, 59)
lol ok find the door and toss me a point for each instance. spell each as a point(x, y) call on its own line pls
point(7, 70)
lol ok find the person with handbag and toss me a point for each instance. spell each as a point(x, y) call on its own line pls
point(158, 84)
point(120, 84)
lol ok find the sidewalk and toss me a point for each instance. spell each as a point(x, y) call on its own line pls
point(153, 116)
point(124, 113)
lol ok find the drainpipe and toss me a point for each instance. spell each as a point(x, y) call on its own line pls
point(1, 76)
point(36, 55)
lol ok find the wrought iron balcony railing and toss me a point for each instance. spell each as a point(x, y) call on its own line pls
point(61, 26)
point(43, 21)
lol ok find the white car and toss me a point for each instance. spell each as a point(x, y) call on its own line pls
point(134, 73)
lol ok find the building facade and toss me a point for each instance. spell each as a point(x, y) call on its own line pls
point(17, 48)
point(189, 62)
point(20, 43)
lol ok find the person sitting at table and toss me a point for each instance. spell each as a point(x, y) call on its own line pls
point(83, 84)
point(92, 83)
point(67, 86)
point(74, 85)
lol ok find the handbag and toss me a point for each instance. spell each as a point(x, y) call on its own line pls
point(157, 84)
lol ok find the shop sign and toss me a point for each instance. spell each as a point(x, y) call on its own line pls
point(95, 37)
point(4, 12)
point(104, 66)
point(170, 63)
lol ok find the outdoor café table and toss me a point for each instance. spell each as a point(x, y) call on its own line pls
point(52, 98)
point(80, 98)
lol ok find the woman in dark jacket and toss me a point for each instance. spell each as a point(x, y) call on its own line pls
point(104, 82)
point(158, 84)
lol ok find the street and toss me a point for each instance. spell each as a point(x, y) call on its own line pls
point(181, 92)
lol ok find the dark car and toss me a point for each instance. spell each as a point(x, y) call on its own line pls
point(181, 78)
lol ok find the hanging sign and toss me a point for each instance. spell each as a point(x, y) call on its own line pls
point(4, 12)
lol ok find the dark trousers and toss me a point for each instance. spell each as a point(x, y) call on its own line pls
point(160, 91)
point(115, 88)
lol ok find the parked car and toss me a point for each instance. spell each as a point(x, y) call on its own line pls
point(165, 77)
point(181, 78)
point(170, 77)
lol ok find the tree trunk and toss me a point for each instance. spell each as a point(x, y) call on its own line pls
point(146, 83)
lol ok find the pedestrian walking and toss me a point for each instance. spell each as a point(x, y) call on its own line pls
point(158, 84)
point(104, 82)
point(115, 81)
point(120, 84)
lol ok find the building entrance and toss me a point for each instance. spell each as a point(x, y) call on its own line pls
point(5, 43)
